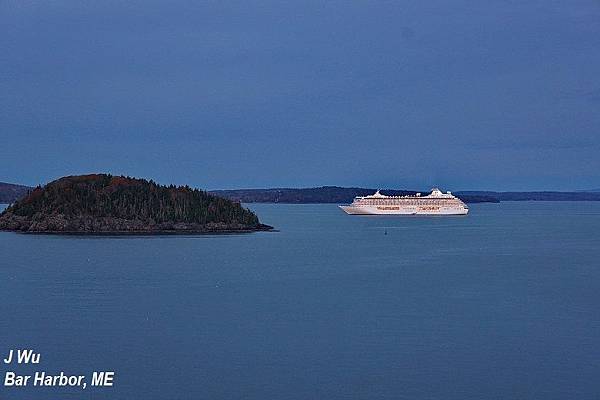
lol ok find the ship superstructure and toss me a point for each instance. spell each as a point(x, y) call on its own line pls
point(435, 203)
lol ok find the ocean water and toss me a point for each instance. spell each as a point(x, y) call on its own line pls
point(503, 304)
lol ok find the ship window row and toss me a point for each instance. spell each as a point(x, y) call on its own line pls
point(405, 202)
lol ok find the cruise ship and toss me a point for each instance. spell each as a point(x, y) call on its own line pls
point(435, 203)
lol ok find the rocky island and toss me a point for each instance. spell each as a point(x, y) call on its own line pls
point(106, 204)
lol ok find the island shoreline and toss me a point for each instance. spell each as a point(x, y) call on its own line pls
point(265, 228)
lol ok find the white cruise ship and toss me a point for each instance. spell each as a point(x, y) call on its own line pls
point(435, 203)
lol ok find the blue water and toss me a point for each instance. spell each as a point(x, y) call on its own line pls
point(503, 303)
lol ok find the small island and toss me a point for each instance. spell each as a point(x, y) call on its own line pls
point(106, 204)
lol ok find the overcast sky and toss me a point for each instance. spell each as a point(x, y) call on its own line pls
point(501, 95)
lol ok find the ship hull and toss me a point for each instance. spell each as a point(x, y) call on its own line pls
point(407, 210)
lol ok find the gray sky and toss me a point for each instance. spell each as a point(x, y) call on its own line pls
point(498, 95)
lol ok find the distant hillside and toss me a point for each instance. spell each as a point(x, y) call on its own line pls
point(590, 190)
point(10, 192)
point(340, 195)
point(537, 196)
point(324, 194)
point(102, 203)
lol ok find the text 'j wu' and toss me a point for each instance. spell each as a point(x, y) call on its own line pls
point(22, 357)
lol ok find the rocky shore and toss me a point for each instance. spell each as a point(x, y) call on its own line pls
point(107, 225)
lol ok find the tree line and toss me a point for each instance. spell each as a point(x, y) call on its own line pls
point(104, 195)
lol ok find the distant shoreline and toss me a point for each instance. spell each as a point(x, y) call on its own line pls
point(9, 193)
point(344, 195)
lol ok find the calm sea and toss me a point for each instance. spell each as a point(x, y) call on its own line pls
point(503, 304)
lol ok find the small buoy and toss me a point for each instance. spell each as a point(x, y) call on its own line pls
point(385, 232)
